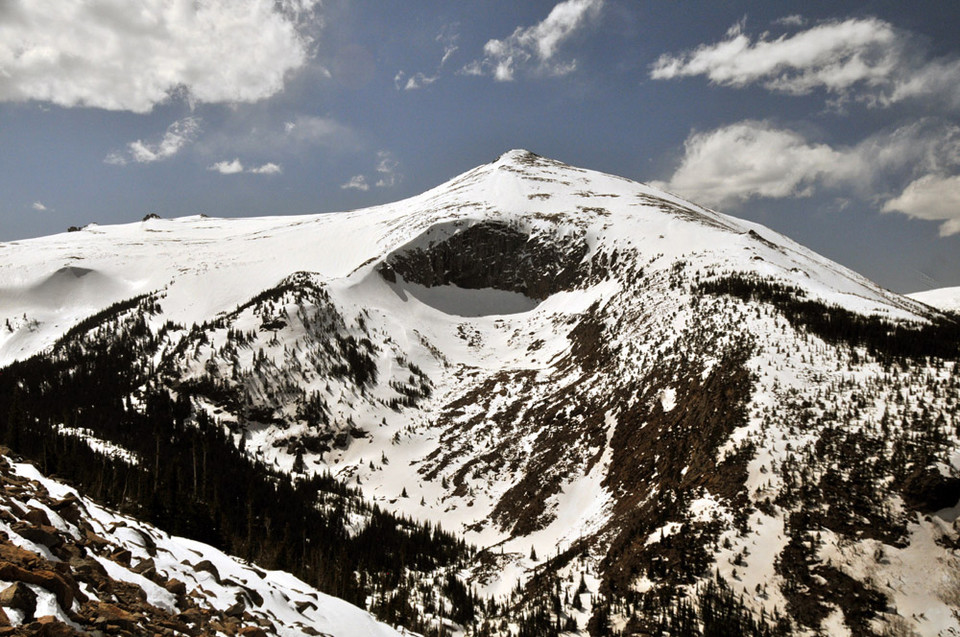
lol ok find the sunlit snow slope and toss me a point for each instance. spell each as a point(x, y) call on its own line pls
point(942, 298)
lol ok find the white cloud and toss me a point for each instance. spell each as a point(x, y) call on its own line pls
point(267, 169)
point(754, 159)
point(413, 82)
point(235, 167)
point(448, 38)
point(131, 56)
point(795, 20)
point(178, 135)
point(534, 48)
point(833, 55)
point(750, 159)
point(939, 79)
point(931, 197)
point(357, 182)
point(387, 174)
point(39, 207)
point(227, 167)
point(864, 58)
point(387, 168)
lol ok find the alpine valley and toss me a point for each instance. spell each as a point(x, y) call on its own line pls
point(534, 400)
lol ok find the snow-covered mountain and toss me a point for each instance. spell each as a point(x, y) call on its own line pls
point(947, 299)
point(614, 395)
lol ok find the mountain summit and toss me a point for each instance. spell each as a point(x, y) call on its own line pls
point(625, 411)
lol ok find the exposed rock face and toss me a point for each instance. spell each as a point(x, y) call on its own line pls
point(493, 255)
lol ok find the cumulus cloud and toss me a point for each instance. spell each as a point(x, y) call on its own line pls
point(39, 207)
point(534, 48)
point(178, 135)
point(227, 167)
point(863, 58)
point(357, 182)
point(133, 55)
point(269, 168)
point(756, 159)
point(750, 159)
point(931, 197)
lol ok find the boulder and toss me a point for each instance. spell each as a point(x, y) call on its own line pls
point(122, 556)
point(37, 517)
point(63, 586)
point(18, 596)
point(107, 615)
point(39, 534)
point(176, 587)
point(208, 567)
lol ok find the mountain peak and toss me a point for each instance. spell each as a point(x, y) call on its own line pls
point(517, 155)
point(531, 356)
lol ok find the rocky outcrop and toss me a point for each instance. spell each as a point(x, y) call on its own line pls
point(492, 255)
point(69, 575)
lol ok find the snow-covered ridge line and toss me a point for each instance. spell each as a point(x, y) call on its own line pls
point(209, 265)
point(947, 299)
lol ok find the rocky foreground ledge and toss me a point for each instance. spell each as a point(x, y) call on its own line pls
point(70, 567)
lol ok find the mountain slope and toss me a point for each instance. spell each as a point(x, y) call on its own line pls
point(68, 563)
point(600, 386)
point(947, 299)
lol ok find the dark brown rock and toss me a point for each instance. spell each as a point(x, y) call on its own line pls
point(94, 540)
point(191, 616)
point(19, 597)
point(39, 534)
point(50, 626)
point(144, 565)
point(63, 586)
point(17, 555)
point(37, 517)
point(107, 615)
point(69, 509)
point(236, 610)
point(176, 587)
point(208, 567)
point(122, 556)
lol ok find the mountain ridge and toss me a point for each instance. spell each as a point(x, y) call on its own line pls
point(514, 176)
point(582, 377)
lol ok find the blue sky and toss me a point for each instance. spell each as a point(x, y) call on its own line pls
point(836, 123)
